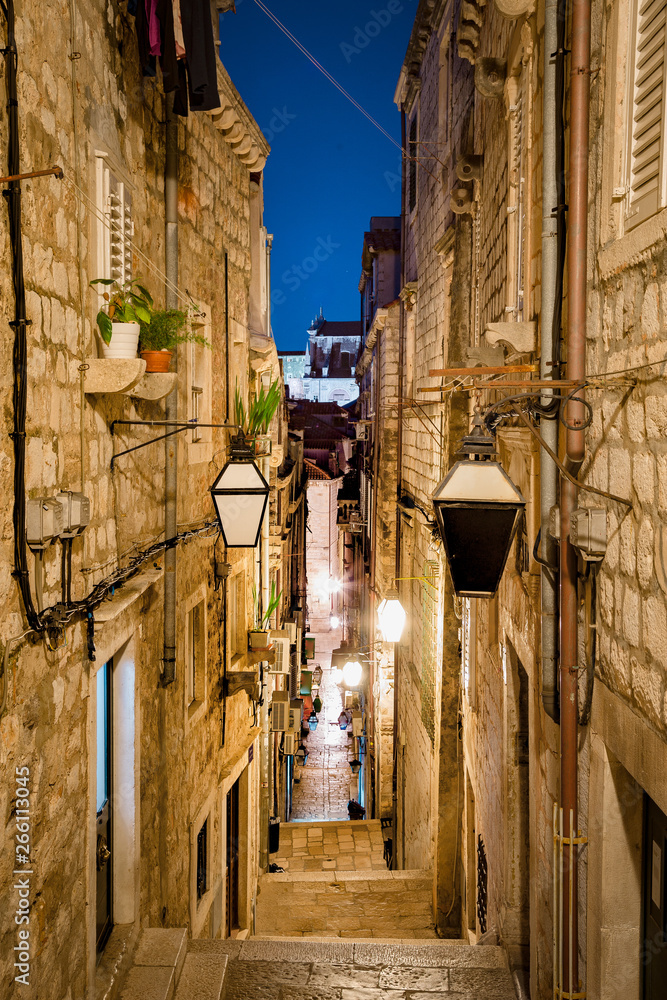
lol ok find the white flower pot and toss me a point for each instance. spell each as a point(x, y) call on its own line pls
point(124, 341)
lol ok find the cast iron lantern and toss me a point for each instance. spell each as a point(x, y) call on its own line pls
point(355, 765)
point(312, 721)
point(478, 510)
point(240, 494)
point(391, 617)
point(301, 756)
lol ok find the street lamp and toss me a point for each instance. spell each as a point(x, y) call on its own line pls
point(312, 721)
point(478, 509)
point(352, 672)
point(240, 494)
point(355, 765)
point(391, 617)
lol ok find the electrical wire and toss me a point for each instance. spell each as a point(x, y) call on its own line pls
point(318, 65)
point(5, 665)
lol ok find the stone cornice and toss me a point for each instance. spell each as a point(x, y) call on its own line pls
point(426, 21)
point(378, 324)
point(241, 131)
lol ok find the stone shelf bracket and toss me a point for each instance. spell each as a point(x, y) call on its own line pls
point(153, 386)
point(110, 375)
point(519, 337)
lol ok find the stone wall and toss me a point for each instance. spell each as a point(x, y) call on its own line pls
point(175, 766)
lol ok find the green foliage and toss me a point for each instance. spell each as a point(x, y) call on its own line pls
point(164, 331)
point(261, 411)
point(262, 620)
point(126, 302)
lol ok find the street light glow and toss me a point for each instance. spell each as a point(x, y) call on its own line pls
point(391, 617)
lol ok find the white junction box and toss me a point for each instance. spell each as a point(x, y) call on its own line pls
point(43, 521)
point(588, 532)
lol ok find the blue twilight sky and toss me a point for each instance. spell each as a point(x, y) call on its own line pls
point(330, 169)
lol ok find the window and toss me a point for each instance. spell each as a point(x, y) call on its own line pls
point(236, 616)
point(516, 208)
point(647, 181)
point(200, 387)
point(115, 228)
point(444, 91)
point(412, 164)
point(194, 654)
point(469, 650)
point(202, 860)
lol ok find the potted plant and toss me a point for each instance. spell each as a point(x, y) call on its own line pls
point(256, 421)
point(158, 338)
point(127, 303)
point(259, 635)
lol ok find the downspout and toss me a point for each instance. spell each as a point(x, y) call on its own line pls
point(549, 428)
point(269, 247)
point(399, 481)
point(265, 755)
point(171, 443)
point(574, 454)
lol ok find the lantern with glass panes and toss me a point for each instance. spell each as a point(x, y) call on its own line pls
point(240, 495)
point(478, 509)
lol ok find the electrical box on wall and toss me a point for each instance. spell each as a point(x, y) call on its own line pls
point(43, 521)
point(588, 532)
point(357, 724)
point(290, 744)
point(76, 513)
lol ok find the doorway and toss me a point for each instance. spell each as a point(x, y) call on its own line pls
point(104, 845)
point(233, 860)
point(655, 910)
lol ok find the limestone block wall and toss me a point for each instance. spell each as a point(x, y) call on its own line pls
point(50, 722)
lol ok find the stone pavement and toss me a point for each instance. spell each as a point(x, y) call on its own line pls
point(325, 782)
point(354, 845)
point(261, 969)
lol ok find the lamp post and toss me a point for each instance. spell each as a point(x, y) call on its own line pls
point(240, 495)
point(478, 509)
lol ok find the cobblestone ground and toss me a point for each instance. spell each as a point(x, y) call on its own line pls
point(349, 846)
point(324, 786)
point(276, 970)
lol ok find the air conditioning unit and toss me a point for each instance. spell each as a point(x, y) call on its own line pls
point(290, 744)
point(356, 523)
point(280, 712)
point(291, 629)
point(361, 429)
point(295, 713)
point(357, 724)
point(281, 644)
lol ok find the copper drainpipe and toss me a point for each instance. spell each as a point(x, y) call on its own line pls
point(574, 454)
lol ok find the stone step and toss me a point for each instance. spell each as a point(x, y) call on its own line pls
point(157, 964)
point(203, 975)
point(352, 904)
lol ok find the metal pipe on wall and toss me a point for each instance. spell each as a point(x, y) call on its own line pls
point(171, 412)
point(574, 450)
point(549, 428)
point(265, 756)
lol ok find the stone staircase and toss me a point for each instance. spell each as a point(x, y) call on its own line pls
point(346, 904)
point(168, 966)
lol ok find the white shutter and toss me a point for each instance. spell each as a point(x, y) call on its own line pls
point(115, 227)
point(647, 168)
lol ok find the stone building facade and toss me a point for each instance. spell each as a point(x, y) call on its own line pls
point(91, 710)
point(472, 90)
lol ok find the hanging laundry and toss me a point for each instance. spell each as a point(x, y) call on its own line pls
point(154, 39)
point(200, 55)
point(178, 29)
point(168, 60)
point(146, 60)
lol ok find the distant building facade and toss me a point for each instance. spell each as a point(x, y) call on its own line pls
point(325, 371)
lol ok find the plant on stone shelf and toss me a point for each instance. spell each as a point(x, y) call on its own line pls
point(262, 620)
point(124, 302)
point(166, 330)
point(257, 418)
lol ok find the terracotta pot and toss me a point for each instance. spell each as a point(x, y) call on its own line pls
point(124, 341)
point(157, 361)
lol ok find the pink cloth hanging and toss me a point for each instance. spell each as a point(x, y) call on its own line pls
point(178, 30)
point(154, 39)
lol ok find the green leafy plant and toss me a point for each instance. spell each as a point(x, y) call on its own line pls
point(164, 331)
point(261, 411)
point(262, 621)
point(126, 302)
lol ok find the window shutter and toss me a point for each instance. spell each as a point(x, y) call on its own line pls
point(119, 215)
point(648, 113)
